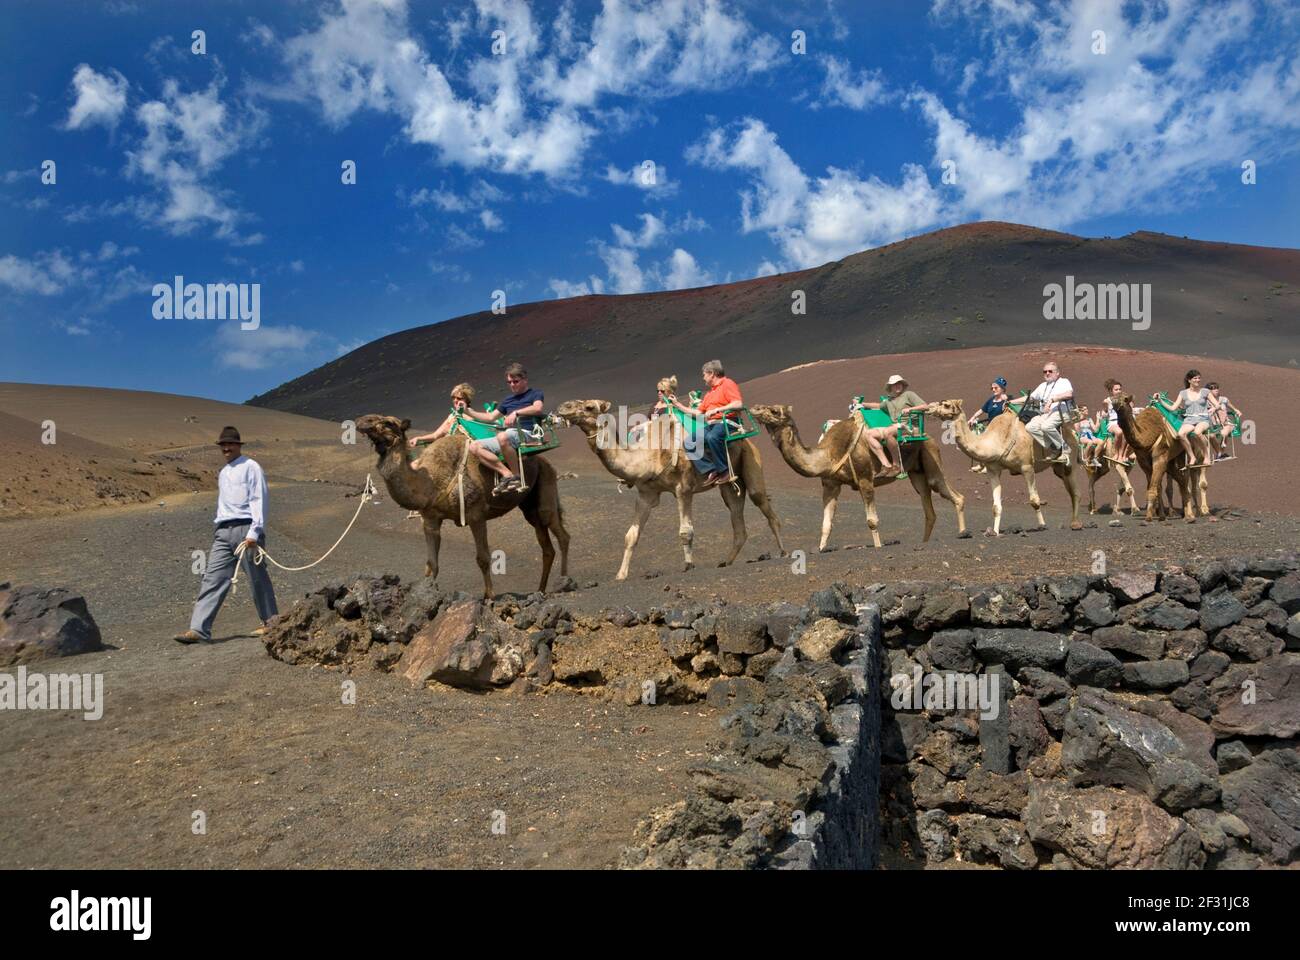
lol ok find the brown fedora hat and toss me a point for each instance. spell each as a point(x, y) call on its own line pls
point(229, 435)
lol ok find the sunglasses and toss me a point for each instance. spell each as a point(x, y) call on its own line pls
point(514, 379)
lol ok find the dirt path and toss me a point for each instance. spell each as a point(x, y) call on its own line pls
point(287, 775)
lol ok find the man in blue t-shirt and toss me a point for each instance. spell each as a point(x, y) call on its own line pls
point(520, 411)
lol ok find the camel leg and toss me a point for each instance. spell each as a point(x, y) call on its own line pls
point(1072, 488)
point(686, 528)
point(760, 500)
point(483, 555)
point(830, 500)
point(927, 502)
point(868, 493)
point(1031, 481)
point(1158, 467)
point(736, 506)
point(432, 539)
point(1093, 476)
point(1125, 489)
point(649, 499)
point(995, 487)
point(939, 484)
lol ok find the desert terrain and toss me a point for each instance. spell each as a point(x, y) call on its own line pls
point(289, 776)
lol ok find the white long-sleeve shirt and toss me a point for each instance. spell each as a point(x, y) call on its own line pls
point(241, 494)
point(1045, 391)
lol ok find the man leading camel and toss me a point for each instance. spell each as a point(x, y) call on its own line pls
point(722, 397)
point(1054, 397)
point(241, 518)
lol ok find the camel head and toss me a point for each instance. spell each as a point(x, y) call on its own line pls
point(384, 432)
point(772, 414)
point(582, 413)
point(944, 409)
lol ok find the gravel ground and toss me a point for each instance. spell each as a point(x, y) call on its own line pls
point(287, 775)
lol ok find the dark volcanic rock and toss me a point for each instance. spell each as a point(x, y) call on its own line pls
point(467, 646)
point(1247, 641)
point(1220, 610)
point(37, 623)
point(1106, 743)
point(1092, 666)
point(1028, 733)
point(1131, 586)
point(741, 630)
point(1181, 587)
point(1020, 648)
point(1286, 593)
point(984, 839)
point(1096, 609)
point(942, 609)
point(1156, 674)
point(1258, 699)
point(1148, 646)
point(953, 650)
point(1158, 612)
point(1266, 795)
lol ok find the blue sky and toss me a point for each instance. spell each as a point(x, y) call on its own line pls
point(523, 169)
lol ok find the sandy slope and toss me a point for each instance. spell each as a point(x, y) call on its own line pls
point(132, 446)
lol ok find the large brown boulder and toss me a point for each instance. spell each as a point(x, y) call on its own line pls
point(1258, 699)
point(467, 645)
point(1103, 829)
point(37, 623)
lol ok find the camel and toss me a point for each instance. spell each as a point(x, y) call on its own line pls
point(1005, 444)
point(433, 485)
point(1160, 455)
point(1123, 486)
point(654, 464)
point(830, 461)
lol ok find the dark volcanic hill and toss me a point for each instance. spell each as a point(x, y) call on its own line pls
point(980, 284)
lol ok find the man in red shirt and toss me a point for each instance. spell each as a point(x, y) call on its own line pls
point(722, 397)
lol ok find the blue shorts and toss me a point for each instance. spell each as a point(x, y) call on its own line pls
point(493, 444)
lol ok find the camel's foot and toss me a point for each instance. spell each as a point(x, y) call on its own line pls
point(990, 532)
point(1076, 525)
point(428, 569)
point(964, 535)
point(1037, 528)
point(825, 548)
point(688, 566)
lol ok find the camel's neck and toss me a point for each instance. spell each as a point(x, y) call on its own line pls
point(809, 463)
point(1132, 429)
point(409, 488)
point(632, 465)
point(978, 446)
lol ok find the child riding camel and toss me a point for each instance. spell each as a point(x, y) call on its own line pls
point(1090, 444)
point(1221, 425)
point(1194, 401)
point(519, 412)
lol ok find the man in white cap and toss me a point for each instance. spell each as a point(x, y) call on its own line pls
point(241, 518)
point(1054, 396)
point(902, 400)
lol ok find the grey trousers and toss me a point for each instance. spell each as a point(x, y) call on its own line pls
point(1046, 429)
point(216, 580)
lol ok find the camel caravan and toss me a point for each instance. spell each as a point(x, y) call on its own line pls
point(482, 464)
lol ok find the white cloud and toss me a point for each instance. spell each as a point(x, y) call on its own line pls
point(188, 136)
point(48, 273)
point(264, 347)
point(683, 272)
point(563, 289)
point(100, 98)
point(651, 232)
point(846, 87)
point(648, 176)
point(491, 221)
point(520, 112)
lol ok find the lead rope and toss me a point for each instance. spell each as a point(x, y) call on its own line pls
point(367, 494)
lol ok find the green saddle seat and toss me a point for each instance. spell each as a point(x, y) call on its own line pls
point(1174, 417)
point(740, 423)
point(538, 439)
point(911, 428)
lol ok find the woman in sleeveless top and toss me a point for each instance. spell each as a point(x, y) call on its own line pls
point(1194, 401)
point(462, 397)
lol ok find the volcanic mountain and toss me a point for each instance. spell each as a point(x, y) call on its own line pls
point(976, 285)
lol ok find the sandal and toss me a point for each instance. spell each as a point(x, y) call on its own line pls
point(506, 485)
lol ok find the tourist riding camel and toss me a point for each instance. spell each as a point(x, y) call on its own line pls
point(1118, 444)
point(993, 407)
point(1194, 401)
point(445, 483)
point(843, 458)
point(902, 400)
point(1054, 399)
point(708, 452)
point(519, 412)
point(1221, 425)
point(659, 464)
point(462, 398)
point(1007, 445)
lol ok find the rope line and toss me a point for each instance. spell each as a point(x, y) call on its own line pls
point(262, 556)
